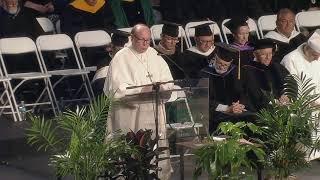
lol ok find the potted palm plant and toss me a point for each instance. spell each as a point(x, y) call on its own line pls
point(76, 140)
point(288, 129)
point(231, 158)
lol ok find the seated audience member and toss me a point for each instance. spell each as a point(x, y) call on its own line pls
point(262, 75)
point(118, 40)
point(14, 21)
point(167, 48)
point(83, 15)
point(285, 35)
point(196, 58)
point(38, 8)
point(305, 59)
point(223, 87)
point(138, 11)
point(240, 32)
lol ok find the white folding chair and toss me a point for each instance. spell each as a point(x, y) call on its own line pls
point(180, 96)
point(156, 31)
point(46, 25)
point(128, 29)
point(267, 23)
point(57, 42)
point(7, 96)
point(190, 30)
point(307, 19)
point(252, 26)
point(21, 45)
point(88, 39)
point(58, 26)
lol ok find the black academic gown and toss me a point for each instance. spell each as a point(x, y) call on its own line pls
point(256, 79)
point(173, 63)
point(75, 20)
point(192, 63)
point(224, 89)
point(285, 48)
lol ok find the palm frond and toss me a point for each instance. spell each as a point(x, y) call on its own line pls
point(43, 134)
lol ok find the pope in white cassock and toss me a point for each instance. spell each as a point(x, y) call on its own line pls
point(306, 59)
point(136, 65)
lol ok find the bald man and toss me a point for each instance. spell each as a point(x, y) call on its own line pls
point(137, 65)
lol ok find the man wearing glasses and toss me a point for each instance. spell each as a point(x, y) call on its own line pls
point(138, 65)
point(262, 75)
point(169, 49)
point(196, 58)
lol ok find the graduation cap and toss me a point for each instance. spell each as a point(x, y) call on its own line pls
point(203, 29)
point(228, 53)
point(170, 29)
point(264, 43)
point(314, 41)
point(234, 23)
point(119, 38)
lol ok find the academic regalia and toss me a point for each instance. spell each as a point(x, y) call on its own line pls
point(171, 58)
point(284, 44)
point(130, 68)
point(79, 16)
point(246, 50)
point(34, 12)
point(193, 60)
point(256, 78)
point(224, 88)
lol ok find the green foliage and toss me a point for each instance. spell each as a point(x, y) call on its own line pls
point(77, 138)
point(287, 128)
point(229, 159)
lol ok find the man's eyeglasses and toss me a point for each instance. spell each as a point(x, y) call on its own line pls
point(171, 39)
point(141, 39)
point(206, 42)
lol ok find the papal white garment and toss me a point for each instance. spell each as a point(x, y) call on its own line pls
point(130, 68)
point(296, 63)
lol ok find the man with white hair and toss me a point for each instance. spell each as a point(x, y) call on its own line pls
point(15, 21)
point(138, 65)
point(306, 59)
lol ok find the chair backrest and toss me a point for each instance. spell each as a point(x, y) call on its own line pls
point(90, 39)
point(58, 26)
point(156, 31)
point(128, 29)
point(15, 46)
point(190, 30)
point(46, 24)
point(307, 19)
point(251, 23)
point(56, 42)
point(267, 23)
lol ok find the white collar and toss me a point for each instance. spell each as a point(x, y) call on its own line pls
point(196, 50)
point(281, 37)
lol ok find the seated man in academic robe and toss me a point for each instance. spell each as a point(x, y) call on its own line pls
point(16, 22)
point(262, 75)
point(240, 39)
point(198, 57)
point(167, 48)
point(84, 15)
point(285, 35)
point(224, 91)
point(118, 40)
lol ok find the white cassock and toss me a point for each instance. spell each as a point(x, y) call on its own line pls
point(130, 68)
point(296, 63)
